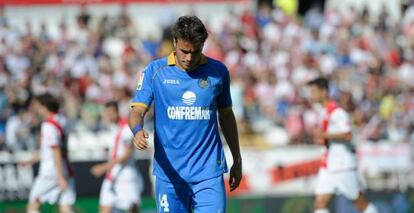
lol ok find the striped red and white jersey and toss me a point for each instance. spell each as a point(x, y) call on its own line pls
point(52, 136)
point(120, 141)
point(340, 154)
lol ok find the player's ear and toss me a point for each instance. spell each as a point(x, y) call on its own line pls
point(174, 43)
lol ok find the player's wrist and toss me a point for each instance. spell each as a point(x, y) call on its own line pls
point(136, 129)
point(237, 160)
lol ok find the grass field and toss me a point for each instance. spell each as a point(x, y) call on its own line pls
point(386, 202)
point(236, 205)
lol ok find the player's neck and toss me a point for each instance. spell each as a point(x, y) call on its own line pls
point(48, 115)
point(325, 102)
point(186, 70)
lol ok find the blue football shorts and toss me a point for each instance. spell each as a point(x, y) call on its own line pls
point(205, 196)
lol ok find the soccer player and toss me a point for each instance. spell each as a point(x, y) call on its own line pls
point(55, 182)
point(339, 172)
point(189, 91)
point(123, 184)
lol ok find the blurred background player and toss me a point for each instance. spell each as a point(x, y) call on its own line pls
point(55, 182)
point(339, 170)
point(188, 88)
point(122, 186)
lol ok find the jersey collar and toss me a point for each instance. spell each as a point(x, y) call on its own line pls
point(171, 59)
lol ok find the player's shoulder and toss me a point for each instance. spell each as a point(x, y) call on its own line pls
point(340, 112)
point(216, 63)
point(158, 63)
point(56, 122)
point(218, 66)
point(49, 128)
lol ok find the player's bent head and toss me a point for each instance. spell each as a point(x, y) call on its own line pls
point(191, 29)
point(112, 105)
point(50, 102)
point(321, 83)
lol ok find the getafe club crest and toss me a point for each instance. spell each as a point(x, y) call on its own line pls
point(204, 82)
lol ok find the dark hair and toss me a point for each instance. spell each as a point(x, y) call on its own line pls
point(191, 29)
point(320, 83)
point(49, 101)
point(113, 104)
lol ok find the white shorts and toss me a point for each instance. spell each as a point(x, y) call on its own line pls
point(46, 189)
point(121, 194)
point(348, 183)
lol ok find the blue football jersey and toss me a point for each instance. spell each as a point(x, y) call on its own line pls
point(187, 142)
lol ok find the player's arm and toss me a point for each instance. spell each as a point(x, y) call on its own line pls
point(140, 103)
point(34, 159)
point(229, 128)
point(345, 137)
point(343, 132)
point(100, 169)
point(136, 123)
point(57, 158)
point(124, 158)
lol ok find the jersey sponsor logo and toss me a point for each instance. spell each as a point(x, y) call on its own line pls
point(188, 113)
point(171, 81)
point(204, 82)
point(141, 79)
point(189, 98)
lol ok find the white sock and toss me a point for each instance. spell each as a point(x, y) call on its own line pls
point(33, 211)
point(371, 209)
point(321, 211)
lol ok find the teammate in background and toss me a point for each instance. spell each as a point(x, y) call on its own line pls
point(122, 186)
point(339, 172)
point(188, 89)
point(55, 182)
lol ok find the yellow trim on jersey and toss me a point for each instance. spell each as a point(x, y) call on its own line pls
point(139, 104)
point(171, 59)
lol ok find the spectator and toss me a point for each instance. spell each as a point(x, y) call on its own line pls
point(269, 53)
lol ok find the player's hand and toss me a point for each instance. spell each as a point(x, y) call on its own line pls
point(141, 140)
point(98, 170)
point(26, 163)
point(319, 136)
point(63, 184)
point(235, 175)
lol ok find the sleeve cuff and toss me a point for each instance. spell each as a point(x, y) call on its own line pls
point(139, 104)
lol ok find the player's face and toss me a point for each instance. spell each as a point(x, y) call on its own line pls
point(39, 108)
point(111, 114)
point(316, 94)
point(188, 55)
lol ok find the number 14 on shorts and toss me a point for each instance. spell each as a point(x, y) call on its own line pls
point(163, 200)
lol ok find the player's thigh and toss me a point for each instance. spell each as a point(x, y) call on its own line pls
point(68, 197)
point(349, 184)
point(325, 182)
point(209, 196)
point(36, 190)
point(106, 195)
point(172, 197)
point(127, 194)
point(44, 190)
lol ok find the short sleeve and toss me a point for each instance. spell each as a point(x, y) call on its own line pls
point(224, 97)
point(50, 135)
point(340, 122)
point(144, 92)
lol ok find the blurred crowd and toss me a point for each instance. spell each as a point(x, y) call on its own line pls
point(270, 55)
